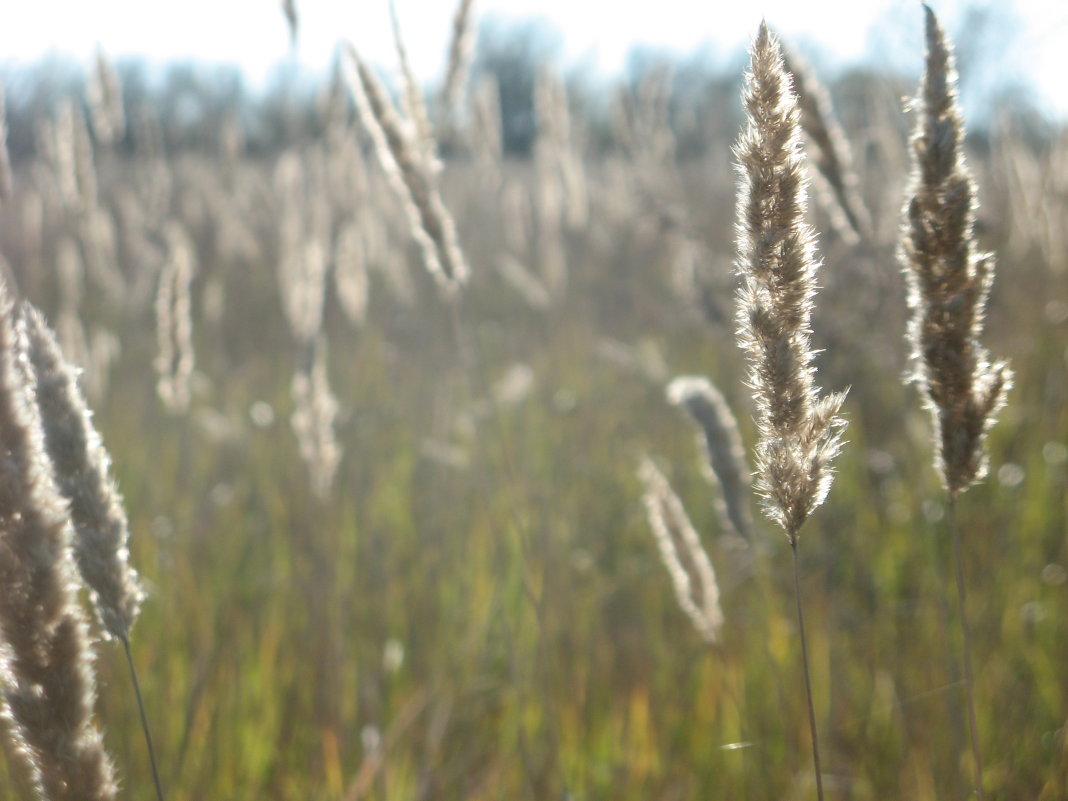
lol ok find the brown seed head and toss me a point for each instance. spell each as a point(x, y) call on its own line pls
point(948, 279)
point(799, 430)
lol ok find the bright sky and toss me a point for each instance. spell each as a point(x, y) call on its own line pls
point(595, 33)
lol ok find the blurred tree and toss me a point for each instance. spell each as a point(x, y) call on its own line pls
point(513, 51)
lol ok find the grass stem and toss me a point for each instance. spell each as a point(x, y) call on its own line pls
point(144, 718)
point(808, 677)
point(966, 636)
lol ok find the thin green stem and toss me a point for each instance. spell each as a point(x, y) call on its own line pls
point(808, 678)
point(144, 718)
point(966, 636)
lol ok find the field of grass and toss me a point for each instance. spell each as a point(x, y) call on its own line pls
point(476, 609)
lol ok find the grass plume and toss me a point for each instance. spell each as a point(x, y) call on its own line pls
point(46, 659)
point(458, 66)
point(830, 150)
point(83, 475)
point(721, 443)
point(692, 575)
point(413, 104)
point(431, 224)
point(949, 279)
point(174, 321)
point(799, 430)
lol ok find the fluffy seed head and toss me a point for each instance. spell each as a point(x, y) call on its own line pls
point(46, 663)
point(403, 162)
point(721, 442)
point(692, 576)
point(799, 430)
point(82, 469)
point(948, 279)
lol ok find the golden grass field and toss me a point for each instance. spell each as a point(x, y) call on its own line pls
point(472, 606)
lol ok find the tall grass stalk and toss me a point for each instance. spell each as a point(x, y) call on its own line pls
point(104, 92)
point(966, 645)
point(949, 282)
point(457, 68)
point(174, 322)
point(82, 468)
point(799, 430)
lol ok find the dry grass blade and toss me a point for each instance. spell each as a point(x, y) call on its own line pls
point(46, 660)
point(692, 576)
point(949, 279)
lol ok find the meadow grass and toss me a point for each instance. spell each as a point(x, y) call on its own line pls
point(502, 548)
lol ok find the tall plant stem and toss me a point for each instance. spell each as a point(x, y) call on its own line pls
point(144, 718)
point(966, 636)
point(808, 677)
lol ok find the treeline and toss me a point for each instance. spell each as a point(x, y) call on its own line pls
point(197, 106)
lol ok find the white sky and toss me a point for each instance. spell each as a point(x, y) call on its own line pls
point(596, 34)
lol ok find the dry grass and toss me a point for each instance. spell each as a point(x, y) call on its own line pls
point(467, 605)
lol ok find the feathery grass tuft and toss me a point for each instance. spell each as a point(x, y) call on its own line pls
point(721, 442)
point(402, 160)
point(692, 576)
point(82, 470)
point(46, 661)
point(948, 279)
point(799, 430)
